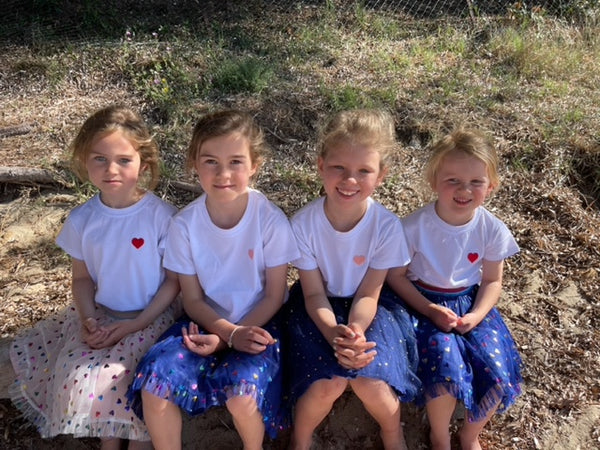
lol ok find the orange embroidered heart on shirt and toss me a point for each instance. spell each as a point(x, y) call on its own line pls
point(359, 260)
point(137, 242)
point(472, 257)
point(251, 253)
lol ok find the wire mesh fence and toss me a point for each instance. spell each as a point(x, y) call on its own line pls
point(39, 21)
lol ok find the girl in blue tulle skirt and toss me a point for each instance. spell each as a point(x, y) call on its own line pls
point(230, 249)
point(453, 282)
point(342, 331)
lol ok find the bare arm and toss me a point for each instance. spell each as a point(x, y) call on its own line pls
point(364, 306)
point(83, 289)
point(275, 287)
point(487, 296)
point(444, 318)
point(317, 305)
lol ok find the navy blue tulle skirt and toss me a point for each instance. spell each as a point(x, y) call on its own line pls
point(309, 357)
point(481, 367)
point(195, 383)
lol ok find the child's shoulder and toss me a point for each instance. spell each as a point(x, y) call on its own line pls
point(264, 207)
point(154, 201)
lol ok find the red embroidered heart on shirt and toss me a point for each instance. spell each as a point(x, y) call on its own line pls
point(137, 242)
point(251, 253)
point(472, 257)
point(359, 260)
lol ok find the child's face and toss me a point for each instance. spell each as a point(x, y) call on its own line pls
point(225, 167)
point(350, 174)
point(462, 184)
point(113, 166)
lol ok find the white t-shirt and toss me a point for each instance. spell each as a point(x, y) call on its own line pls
point(121, 248)
point(448, 256)
point(230, 263)
point(377, 241)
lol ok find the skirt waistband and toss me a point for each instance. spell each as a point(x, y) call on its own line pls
point(120, 314)
point(438, 289)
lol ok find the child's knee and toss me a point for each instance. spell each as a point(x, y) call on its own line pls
point(329, 389)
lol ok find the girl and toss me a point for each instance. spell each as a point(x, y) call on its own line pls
point(336, 316)
point(453, 281)
point(73, 370)
point(230, 249)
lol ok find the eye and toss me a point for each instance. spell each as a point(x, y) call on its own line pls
point(236, 161)
point(477, 182)
point(366, 171)
point(125, 161)
point(99, 158)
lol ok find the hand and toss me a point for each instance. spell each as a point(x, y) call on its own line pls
point(201, 344)
point(352, 350)
point(443, 318)
point(467, 322)
point(116, 331)
point(251, 339)
point(92, 333)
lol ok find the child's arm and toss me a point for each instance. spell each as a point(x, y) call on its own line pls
point(249, 336)
point(487, 296)
point(353, 353)
point(444, 318)
point(318, 307)
point(337, 335)
point(83, 289)
point(200, 312)
point(162, 299)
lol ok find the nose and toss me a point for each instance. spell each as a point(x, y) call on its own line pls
point(222, 170)
point(112, 167)
point(350, 176)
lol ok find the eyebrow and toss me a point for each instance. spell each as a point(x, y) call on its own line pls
point(209, 155)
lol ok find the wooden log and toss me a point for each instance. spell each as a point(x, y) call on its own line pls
point(28, 176)
point(7, 374)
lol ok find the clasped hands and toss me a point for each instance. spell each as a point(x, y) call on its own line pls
point(351, 347)
point(97, 334)
point(447, 320)
point(248, 339)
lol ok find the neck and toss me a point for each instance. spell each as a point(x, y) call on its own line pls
point(227, 214)
point(343, 220)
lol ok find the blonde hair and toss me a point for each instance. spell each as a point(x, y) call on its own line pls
point(107, 121)
point(471, 142)
point(223, 123)
point(368, 127)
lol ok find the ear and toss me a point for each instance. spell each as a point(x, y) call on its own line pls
point(253, 169)
point(320, 165)
point(382, 174)
point(143, 168)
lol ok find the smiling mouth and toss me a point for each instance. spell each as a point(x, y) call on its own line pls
point(461, 201)
point(345, 193)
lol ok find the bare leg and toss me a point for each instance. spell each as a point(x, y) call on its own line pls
point(313, 407)
point(469, 433)
point(247, 420)
point(163, 420)
point(140, 445)
point(110, 444)
point(439, 413)
point(382, 403)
